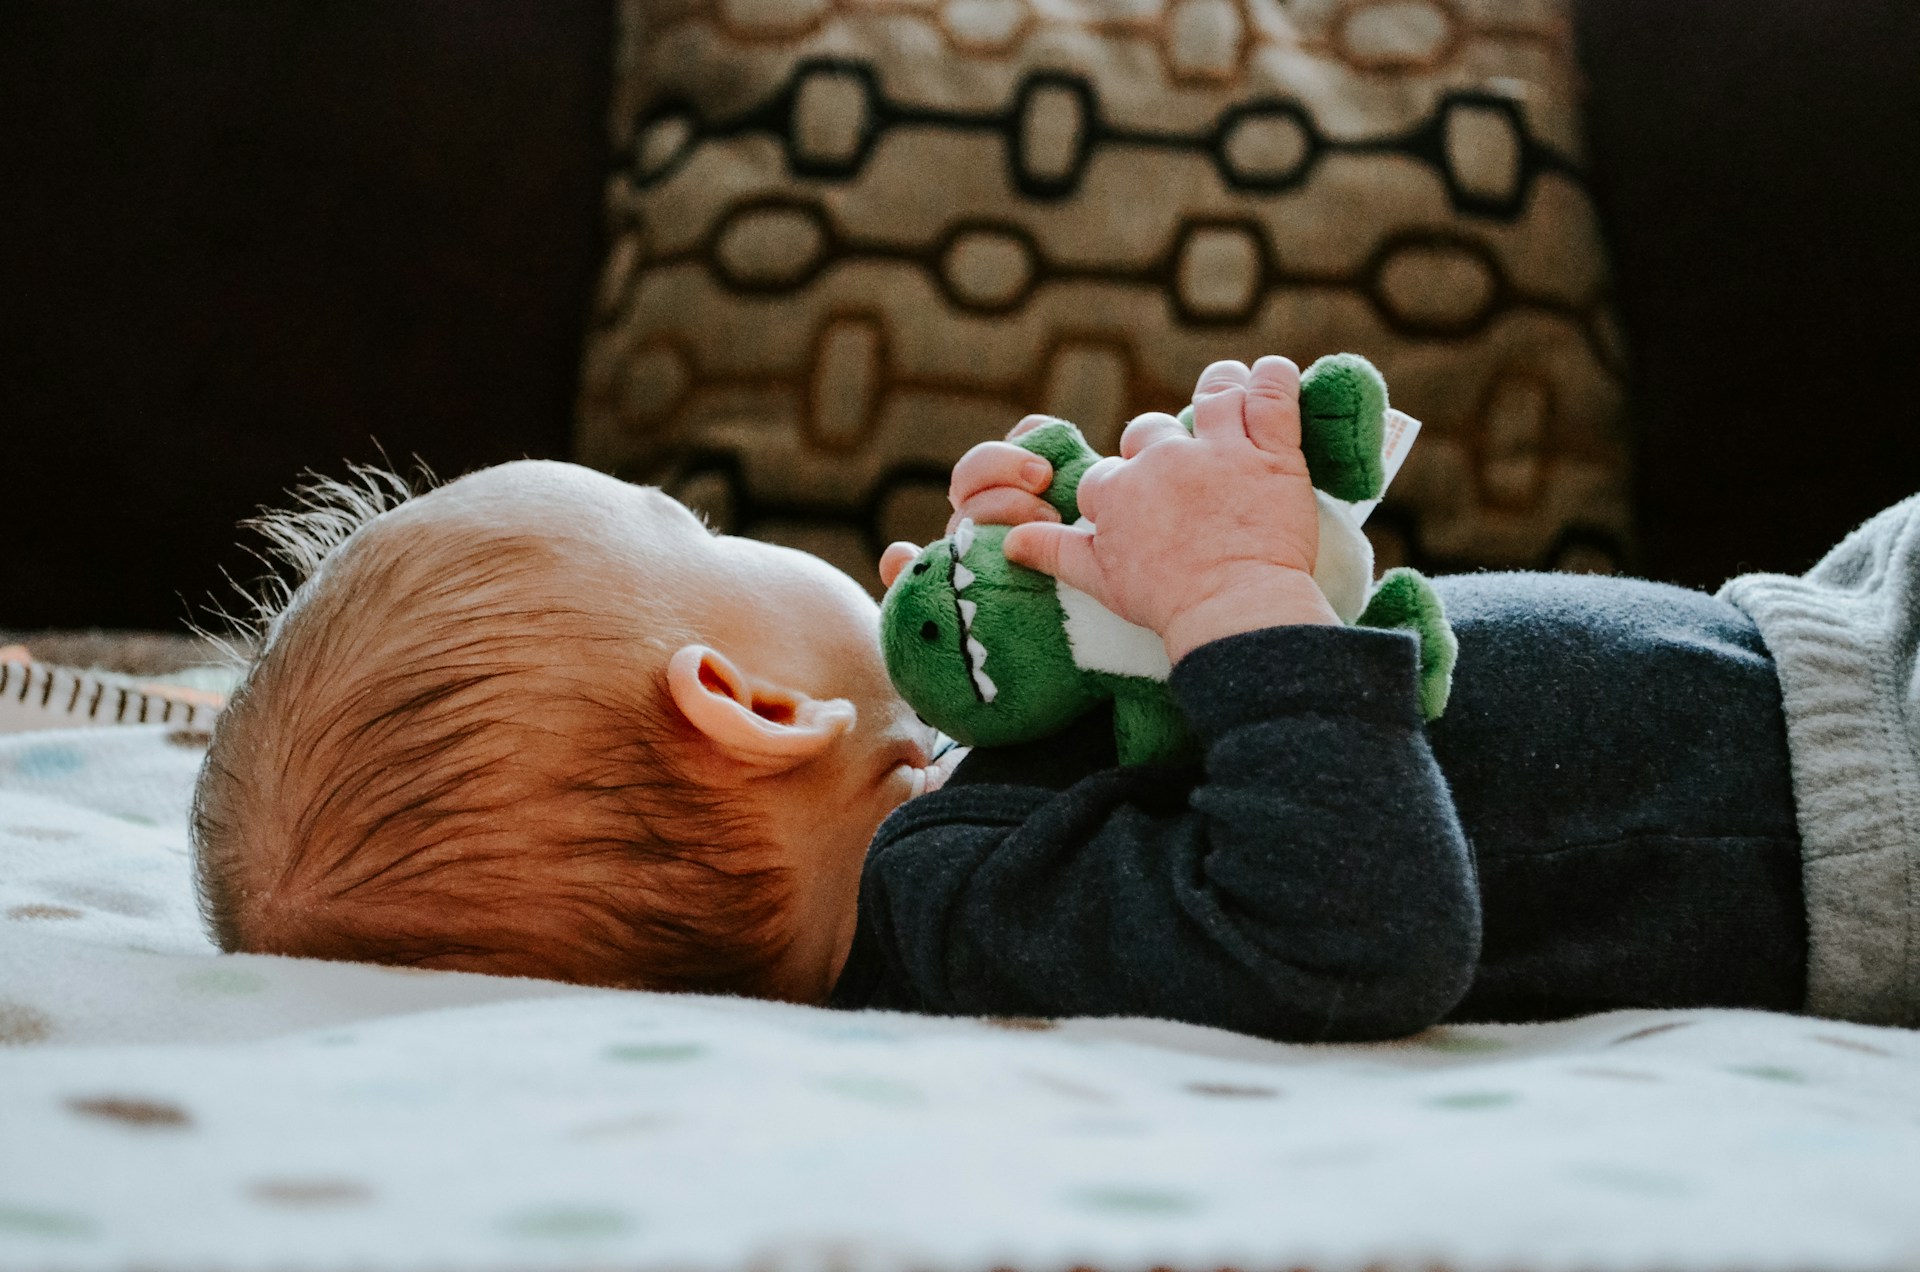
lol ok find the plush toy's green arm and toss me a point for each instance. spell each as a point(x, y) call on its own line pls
point(1343, 415)
point(1060, 444)
point(1405, 599)
point(1147, 725)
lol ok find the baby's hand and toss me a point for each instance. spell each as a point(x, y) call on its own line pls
point(995, 483)
point(999, 484)
point(1203, 536)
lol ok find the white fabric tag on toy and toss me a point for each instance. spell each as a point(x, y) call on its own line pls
point(1401, 431)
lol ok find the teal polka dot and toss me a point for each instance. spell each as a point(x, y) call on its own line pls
point(872, 1089)
point(1331, 1156)
point(1104, 1126)
point(1768, 1072)
point(654, 1052)
point(223, 980)
point(30, 1221)
point(621, 1127)
point(137, 819)
point(1824, 1139)
point(855, 1033)
point(1126, 1199)
point(47, 761)
point(569, 1223)
point(1635, 1180)
point(1468, 1100)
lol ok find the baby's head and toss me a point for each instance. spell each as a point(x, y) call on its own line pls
point(543, 722)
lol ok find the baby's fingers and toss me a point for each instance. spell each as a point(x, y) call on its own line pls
point(1228, 373)
point(1144, 430)
point(992, 464)
point(1219, 402)
point(1028, 423)
point(1065, 552)
point(896, 558)
point(1273, 405)
point(1002, 506)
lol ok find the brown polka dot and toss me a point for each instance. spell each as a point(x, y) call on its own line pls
point(1650, 1031)
point(45, 834)
point(1033, 1024)
point(1851, 1044)
point(1457, 1041)
point(1068, 1087)
point(45, 912)
point(20, 1025)
point(1232, 1091)
point(190, 739)
point(310, 1192)
point(131, 1111)
point(103, 896)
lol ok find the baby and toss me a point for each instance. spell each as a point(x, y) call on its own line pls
point(541, 722)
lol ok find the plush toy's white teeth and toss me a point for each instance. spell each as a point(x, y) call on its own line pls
point(976, 661)
point(976, 652)
point(962, 538)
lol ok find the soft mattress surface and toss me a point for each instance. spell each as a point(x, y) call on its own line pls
point(162, 1107)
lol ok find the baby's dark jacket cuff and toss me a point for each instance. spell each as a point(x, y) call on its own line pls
point(1359, 672)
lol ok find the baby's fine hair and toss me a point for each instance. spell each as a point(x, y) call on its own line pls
point(419, 767)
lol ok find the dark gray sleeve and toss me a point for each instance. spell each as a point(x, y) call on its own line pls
point(1310, 882)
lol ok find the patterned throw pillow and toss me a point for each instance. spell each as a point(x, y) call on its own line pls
point(850, 238)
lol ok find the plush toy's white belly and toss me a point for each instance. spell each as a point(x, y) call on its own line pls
point(1101, 640)
point(1344, 568)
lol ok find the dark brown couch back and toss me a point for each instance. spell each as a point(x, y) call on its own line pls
point(247, 237)
point(239, 239)
point(1758, 165)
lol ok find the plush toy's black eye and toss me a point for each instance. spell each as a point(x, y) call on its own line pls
point(920, 567)
point(929, 631)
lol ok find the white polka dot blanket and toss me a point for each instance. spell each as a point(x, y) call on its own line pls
point(164, 1107)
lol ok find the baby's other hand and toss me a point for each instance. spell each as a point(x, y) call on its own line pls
point(994, 484)
point(1000, 484)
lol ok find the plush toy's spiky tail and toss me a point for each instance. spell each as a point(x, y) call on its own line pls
point(1406, 600)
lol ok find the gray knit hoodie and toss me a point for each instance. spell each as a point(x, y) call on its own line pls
point(1846, 638)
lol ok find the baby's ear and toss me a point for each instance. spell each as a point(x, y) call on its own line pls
point(749, 720)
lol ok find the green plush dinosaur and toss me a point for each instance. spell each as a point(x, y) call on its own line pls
point(992, 653)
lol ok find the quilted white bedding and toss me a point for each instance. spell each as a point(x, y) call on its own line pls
point(163, 1107)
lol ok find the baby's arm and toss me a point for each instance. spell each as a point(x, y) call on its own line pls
point(1310, 882)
